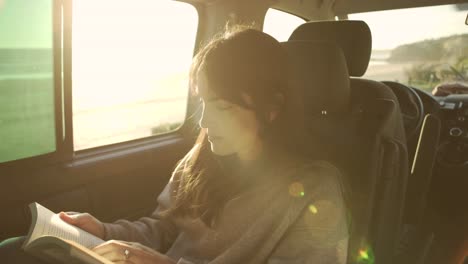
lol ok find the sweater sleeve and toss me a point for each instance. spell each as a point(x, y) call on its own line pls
point(155, 231)
point(320, 234)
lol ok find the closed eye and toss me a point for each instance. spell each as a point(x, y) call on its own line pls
point(224, 107)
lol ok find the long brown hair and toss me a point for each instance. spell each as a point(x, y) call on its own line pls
point(241, 60)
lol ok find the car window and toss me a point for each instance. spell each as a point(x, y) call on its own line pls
point(130, 69)
point(27, 118)
point(421, 47)
point(280, 24)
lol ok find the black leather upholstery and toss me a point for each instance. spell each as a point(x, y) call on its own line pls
point(319, 76)
point(352, 36)
point(366, 141)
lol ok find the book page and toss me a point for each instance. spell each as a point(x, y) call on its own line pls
point(50, 224)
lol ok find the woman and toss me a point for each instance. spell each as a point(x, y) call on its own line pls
point(239, 195)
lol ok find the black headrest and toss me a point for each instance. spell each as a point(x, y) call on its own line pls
point(318, 77)
point(354, 37)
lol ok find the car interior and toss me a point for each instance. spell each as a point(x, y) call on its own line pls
point(95, 109)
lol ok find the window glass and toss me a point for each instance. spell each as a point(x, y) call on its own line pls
point(280, 24)
point(27, 119)
point(130, 68)
point(421, 47)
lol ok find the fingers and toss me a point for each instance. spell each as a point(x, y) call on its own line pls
point(84, 221)
point(67, 218)
point(111, 250)
point(74, 218)
point(72, 213)
point(114, 251)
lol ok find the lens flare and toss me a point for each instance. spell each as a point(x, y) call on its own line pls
point(313, 209)
point(365, 256)
point(296, 189)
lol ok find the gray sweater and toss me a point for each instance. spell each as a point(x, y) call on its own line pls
point(295, 219)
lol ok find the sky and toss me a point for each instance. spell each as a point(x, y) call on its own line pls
point(393, 28)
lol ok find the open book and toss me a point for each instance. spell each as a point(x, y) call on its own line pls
point(55, 241)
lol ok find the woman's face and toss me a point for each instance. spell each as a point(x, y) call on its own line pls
point(231, 129)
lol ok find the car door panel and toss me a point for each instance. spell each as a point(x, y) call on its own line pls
point(117, 184)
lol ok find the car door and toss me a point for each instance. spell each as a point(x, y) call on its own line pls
point(94, 105)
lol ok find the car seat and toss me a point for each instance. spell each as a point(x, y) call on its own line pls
point(365, 139)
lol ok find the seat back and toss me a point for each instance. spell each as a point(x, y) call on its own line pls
point(367, 143)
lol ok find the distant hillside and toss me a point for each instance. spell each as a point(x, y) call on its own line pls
point(448, 49)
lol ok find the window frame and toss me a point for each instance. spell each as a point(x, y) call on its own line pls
point(63, 108)
point(60, 139)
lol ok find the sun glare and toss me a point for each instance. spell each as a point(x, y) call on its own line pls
point(280, 24)
point(126, 55)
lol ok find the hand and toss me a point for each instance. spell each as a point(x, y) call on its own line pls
point(84, 221)
point(445, 89)
point(114, 250)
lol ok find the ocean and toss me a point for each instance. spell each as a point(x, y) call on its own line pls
point(107, 108)
point(26, 63)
